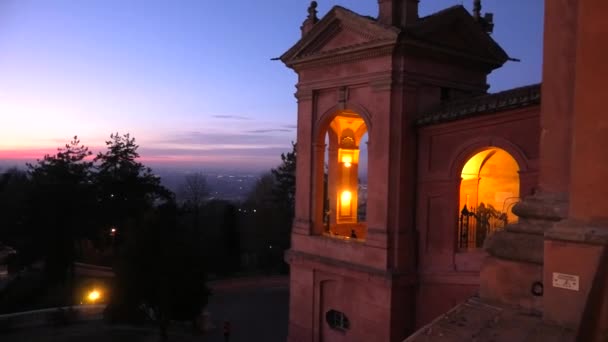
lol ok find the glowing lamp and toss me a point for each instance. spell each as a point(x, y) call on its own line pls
point(347, 160)
point(93, 296)
point(346, 197)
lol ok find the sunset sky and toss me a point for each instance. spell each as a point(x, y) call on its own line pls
point(192, 80)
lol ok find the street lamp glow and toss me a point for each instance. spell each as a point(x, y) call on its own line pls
point(93, 296)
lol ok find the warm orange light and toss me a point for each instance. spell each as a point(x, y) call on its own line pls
point(347, 160)
point(93, 296)
point(471, 168)
point(345, 207)
point(346, 197)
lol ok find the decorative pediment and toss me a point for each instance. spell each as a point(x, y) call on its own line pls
point(347, 35)
point(340, 31)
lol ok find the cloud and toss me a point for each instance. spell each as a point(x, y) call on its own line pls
point(261, 158)
point(232, 117)
point(255, 148)
point(290, 126)
point(269, 130)
point(201, 139)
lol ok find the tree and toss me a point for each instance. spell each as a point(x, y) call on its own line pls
point(14, 192)
point(232, 242)
point(160, 270)
point(194, 190)
point(264, 229)
point(62, 198)
point(126, 188)
point(273, 198)
point(285, 195)
point(285, 176)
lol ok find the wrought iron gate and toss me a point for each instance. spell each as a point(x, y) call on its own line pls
point(475, 224)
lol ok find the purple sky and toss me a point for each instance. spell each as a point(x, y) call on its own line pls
point(192, 80)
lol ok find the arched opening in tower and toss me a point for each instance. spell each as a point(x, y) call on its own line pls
point(345, 177)
point(489, 188)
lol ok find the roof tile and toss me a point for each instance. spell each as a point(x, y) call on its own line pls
point(483, 105)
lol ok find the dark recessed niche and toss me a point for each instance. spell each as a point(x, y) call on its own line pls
point(337, 320)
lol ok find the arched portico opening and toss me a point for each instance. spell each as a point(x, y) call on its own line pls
point(489, 188)
point(344, 164)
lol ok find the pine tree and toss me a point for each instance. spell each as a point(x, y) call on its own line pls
point(62, 199)
point(126, 188)
point(285, 175)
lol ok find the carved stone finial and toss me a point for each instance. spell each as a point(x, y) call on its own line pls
point(477, 9)
point(312, 18)
point(487, 21)
point(312, 12)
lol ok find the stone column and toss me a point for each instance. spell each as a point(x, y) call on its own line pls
point(332, 179)
point(318, 168)
point(573, 248)
point(520, 247)
point(377, 167)
point(302, 220)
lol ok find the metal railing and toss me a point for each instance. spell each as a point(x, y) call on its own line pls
point(476, 224)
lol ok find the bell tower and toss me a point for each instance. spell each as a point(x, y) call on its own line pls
point(361, 86)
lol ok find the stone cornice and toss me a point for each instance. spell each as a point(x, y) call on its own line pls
point(344, 55)
point(384, 84)
point(292, 256)
point(303, 94)
point(430, 80)
point(362, 79)
point(591, 233)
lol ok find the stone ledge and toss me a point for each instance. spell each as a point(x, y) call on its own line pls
point(516, 246)
point(530, 226)
point(292, 256)
point(543, 206)
point(579, 232)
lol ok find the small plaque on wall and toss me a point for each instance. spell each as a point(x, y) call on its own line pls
point(565, 281)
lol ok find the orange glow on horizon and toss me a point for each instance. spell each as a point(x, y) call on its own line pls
point(26, 154)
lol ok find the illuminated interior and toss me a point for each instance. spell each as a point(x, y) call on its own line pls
point(342, 212)
point(488, 190)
